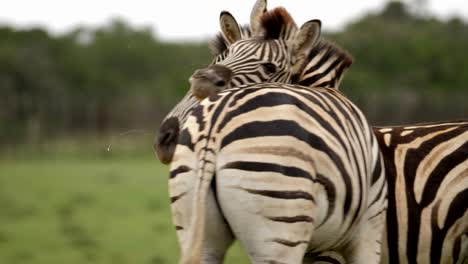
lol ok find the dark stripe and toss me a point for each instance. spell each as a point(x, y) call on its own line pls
point(445, 165)
point(179, 228)
point(268, 167)
point(275, 98)
point(340, 70)
point(288, 195)
point(377, 171)
point(334, 103)
point(392, 220)
point(326, 57)
point(179, 170)
point(292, 219)
point(177, 197)
point(249, 77)
point(421, 130)
point(327, 259)
point(291, 128)
point(377, 214)
point(202, 137)
point(412, 161)
point(314, 78)
point(214, 114)
point(185, 139)
point(198, 114)
point(353, 130)
point(456, 210)
point(456, 249)
point(207, 149)
point(331, 195)
point(289, 243)
point(326, 84)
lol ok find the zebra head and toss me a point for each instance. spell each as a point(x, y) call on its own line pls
point(166, 140)
point(325, 66)
point(276, 52)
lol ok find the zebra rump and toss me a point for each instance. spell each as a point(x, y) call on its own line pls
point(286, 170)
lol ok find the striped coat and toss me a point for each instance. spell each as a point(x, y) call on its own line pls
point(292, 171)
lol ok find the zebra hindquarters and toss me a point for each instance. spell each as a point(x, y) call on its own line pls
point(266, 200)
point(218, 236)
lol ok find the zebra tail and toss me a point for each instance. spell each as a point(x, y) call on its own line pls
point(206, 171)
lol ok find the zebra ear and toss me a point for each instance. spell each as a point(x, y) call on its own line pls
point(258, 10)
point(229, 27)
point(303, 42)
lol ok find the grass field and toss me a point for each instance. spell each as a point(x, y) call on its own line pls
point(87, 211)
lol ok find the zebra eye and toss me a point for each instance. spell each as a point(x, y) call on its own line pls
point(269, 68)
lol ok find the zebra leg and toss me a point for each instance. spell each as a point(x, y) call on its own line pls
point(366, 245)
point(271, 216)
point(218, 236)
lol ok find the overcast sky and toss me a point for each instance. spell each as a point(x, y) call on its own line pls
point(192, 19)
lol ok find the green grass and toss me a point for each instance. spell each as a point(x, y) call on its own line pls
point(87, 211)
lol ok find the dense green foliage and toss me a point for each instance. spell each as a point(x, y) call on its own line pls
point(407, 68)
point(89, 80)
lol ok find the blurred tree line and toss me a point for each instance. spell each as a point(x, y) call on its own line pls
point(408, 67)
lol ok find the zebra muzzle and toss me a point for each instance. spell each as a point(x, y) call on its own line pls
point(210, 81)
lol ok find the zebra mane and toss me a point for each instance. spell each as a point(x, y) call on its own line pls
point(330, 49)
point(276, 24)
point(323, 53)
point(219, 44)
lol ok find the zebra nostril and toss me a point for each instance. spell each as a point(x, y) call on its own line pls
point(220, 83)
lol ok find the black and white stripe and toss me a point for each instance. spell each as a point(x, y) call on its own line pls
point(414, 236)
point(292, 170)
point(427, 172)
point(326, 65)
point(252, 56)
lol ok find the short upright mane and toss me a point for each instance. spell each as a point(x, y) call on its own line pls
point(322, 54)
point(219, 44)
point(331, 49)
point(276, 23)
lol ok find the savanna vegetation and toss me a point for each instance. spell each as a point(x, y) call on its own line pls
point(78, 211)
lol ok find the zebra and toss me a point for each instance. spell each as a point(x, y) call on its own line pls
point(326, 64)
point(399, 247)
point(298, 171)
point(427, 171)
